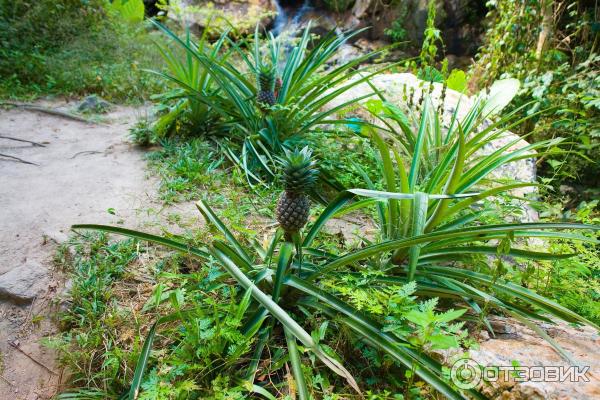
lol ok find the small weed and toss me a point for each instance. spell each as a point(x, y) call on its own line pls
point(142, 133)
point(36, 320)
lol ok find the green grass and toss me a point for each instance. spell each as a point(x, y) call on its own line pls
point(98, 312)
point(73, 49)
point(193, 169)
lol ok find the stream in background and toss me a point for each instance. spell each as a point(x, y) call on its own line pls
point(292, 18)
point(289, 16)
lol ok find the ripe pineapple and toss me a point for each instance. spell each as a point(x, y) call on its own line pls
point(300, 176)
point(266, 87)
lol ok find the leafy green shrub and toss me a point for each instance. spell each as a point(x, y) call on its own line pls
point(287, 295)
point(432, 38)
point(143, 133)
point(354, 156)
point(46, 25)
point(528, 40)
point(71, 47)
point(573, 282)
point(277, 289)
point(188, 108)
point(572, 92)
point(397, 32)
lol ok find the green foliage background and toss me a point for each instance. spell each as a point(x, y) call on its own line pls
point(72, 47)
point(552, 47)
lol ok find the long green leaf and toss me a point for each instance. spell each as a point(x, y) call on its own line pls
point(142, 362)
point(296, 365)
point(202, 253)
point(470, 232)
point(280, 314)
point(417, 154)
point(420, 205)
point(331, 210)
point(211, 217)
point(285, 257)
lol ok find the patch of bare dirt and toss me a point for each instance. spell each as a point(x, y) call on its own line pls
point(75, 173)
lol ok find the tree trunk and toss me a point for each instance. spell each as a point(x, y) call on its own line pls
point(546, 31)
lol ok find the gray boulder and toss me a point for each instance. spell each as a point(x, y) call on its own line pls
point(22, 284)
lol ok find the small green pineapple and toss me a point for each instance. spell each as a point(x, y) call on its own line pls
point(299, 175)
point(266, 87)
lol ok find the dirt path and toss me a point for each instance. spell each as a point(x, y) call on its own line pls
point(82, 172)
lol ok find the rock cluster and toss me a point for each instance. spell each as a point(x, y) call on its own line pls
point(218, 15)
point(519, 347)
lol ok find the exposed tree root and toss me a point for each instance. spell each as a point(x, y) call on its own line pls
point(22, 140)
point(33, 107)
point(18, 159)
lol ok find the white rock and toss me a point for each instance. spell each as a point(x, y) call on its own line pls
point(243, 14)
point(400, 88)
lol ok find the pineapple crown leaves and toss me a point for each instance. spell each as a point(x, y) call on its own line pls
point(266, 77)
point(299, 170)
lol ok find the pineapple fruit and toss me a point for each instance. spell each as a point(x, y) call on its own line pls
point(299, 175)
point(266, 87)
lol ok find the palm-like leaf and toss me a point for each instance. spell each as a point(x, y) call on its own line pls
point(230, 91)
point(427, 225)
point(195, 98)
point(270, 279)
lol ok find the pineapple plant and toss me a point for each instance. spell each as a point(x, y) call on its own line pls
point(266, 87)
point(299, 175)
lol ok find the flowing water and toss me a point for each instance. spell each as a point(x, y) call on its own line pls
point(289, 17)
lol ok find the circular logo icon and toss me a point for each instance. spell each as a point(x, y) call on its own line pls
point(466, 374)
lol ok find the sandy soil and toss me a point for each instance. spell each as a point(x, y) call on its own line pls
point(82, 171)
